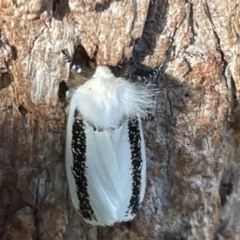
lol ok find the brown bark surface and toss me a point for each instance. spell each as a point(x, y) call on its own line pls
point(193, 189)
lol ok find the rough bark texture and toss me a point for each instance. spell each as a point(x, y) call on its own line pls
point(192, 145)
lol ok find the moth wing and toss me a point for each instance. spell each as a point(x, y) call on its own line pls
point(108, 171)
point(110, 174)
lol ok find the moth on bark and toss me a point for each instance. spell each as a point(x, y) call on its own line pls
point(105, 151)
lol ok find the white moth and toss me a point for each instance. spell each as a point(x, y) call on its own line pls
point(105, 151)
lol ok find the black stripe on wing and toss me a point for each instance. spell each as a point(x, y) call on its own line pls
point(79, 167)
point(136, 159)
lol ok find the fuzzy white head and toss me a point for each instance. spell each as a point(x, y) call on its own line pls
point(109, 100)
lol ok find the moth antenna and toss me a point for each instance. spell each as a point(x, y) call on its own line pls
point(124, 70)
point(66, 56)
point(149, 76)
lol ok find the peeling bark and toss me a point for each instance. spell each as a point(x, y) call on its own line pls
point(193, 149)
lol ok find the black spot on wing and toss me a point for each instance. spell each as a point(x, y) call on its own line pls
point(79, 167)
point(136, 158)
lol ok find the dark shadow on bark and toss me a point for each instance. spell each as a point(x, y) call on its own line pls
point(154, 25)
point(226, 185)
point(100, 7)
point(58, 8)
point(5, 80)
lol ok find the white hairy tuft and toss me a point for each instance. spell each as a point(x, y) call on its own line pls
point(105, 100)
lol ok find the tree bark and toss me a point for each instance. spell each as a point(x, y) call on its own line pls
point(192, 144)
